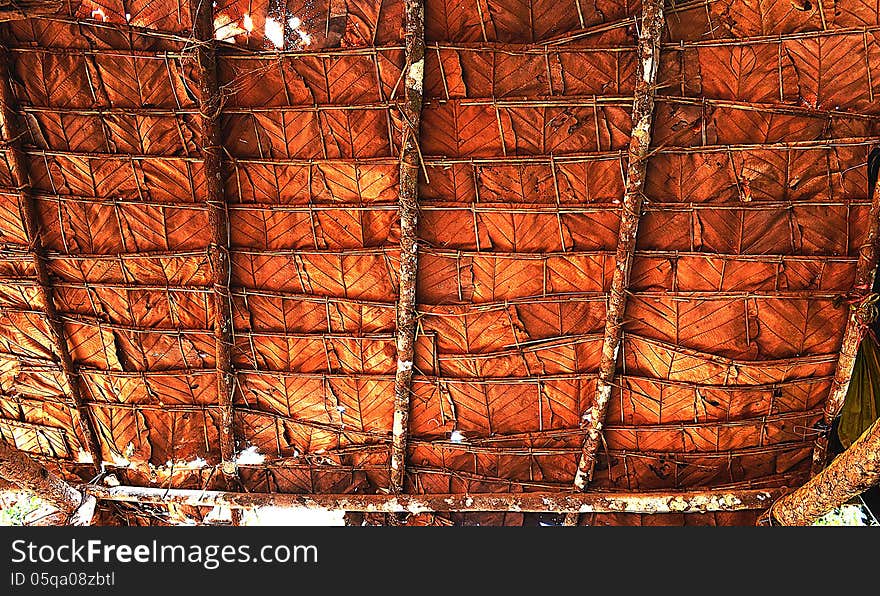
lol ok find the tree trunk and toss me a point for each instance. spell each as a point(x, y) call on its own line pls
point(18, 468)
point(851, 473)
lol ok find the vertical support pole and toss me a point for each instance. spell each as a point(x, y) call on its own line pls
point(210, 108)
point(593, 419)
point(409, 217)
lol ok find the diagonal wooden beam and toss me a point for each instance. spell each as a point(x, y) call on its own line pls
point(21, 470)
point(20, 173)
point(858, 319)
point(409, 255)
point(640, 142)
point(211, 143)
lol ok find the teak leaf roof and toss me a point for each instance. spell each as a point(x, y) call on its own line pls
point(200, 242)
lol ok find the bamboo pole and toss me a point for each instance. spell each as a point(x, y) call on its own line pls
point(409, 257)
point(210, 108)
point(640, 142)
point(581, 502)
point(854, 471)
point(22, 471)
point(859, 317)
point(20, 172)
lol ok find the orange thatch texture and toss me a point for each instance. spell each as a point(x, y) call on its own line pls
point(755, 207)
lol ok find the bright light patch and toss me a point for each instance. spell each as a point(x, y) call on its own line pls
point(247, 22)
point(225, 29)
point(304, 37)
point(456, 436)
point(290, 516)
point(294, 22)
point(84, 457)
point(219, 514)
point(274, 32)
point(98, 13)
point(250, 456)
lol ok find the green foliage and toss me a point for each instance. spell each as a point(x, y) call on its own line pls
point(15, 507)
point(845, 515)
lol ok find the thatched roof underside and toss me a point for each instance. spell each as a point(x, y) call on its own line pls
point(755, 209)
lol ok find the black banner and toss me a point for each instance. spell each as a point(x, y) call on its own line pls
point(254, 561)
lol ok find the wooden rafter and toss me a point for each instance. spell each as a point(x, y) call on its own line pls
point(409, 257)
point(640, 142)
point(211, 142)
point(22, 471)
point(854, 471)
point(582, 502)
point(20, 173)
point(857, 320)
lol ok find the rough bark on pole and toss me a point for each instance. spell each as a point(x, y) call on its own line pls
point(858, 321)
point(409, 258)
point(22, 471)
point(20, 173)
point(851, 473)
point(639, 146)
point(211, 143)
point(582, 502)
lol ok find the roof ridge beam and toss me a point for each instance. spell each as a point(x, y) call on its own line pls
point(211, 144)
point(409, 258)
point(20, 173)
point(695, 501)
point(652, 24)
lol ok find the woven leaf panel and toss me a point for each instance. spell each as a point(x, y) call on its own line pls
point(750, 18)
point(786, 214)
point(755, 210)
